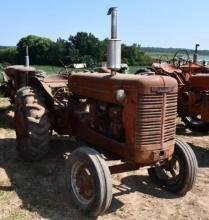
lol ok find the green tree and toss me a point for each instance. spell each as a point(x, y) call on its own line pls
point(132, 54)
point(9, 55)
point(89, 47)
point(39, 48)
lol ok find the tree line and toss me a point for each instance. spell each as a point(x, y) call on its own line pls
point(81, 48)
point(172, 50)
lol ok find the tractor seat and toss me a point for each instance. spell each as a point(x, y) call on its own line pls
point(166, 67)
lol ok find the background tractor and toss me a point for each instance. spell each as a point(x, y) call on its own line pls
point(16, 77)
point(193, 88)
point(128, 117)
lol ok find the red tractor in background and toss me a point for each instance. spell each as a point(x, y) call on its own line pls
point(193, 88)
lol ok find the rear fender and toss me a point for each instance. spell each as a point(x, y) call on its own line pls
point(44, 89)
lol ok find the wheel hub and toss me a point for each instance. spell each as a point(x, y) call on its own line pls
point(82, 183)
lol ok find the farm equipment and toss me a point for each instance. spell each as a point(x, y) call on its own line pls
point(123, 116)
point(193, 88)
point(17, 76)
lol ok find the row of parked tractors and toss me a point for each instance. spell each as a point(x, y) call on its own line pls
point(130, 117)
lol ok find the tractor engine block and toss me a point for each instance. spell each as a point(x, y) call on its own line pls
point(106, 118)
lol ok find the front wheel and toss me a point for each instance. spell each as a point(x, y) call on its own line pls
point(89, 181)
point(178, 174)
point(195, 124)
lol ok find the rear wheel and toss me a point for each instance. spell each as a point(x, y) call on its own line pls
point(32, 124)
point(178, 174)
point(195, 124)
point(89, 181)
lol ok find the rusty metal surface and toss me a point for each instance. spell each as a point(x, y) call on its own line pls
point(165, 67)
point(20, 68)
point(150, 99)
point(156, 113)
point(194, 68)
point(57, 78)
point(200, 81)
point(103, 86)
point(193, 83)
point(50, 82)
point(16, 77)
point(140, 128)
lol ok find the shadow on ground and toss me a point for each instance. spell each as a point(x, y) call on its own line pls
point(202, 155)
point(42, 189)
point(182, 130)
point(143, 184)
point(6, 118)
point(41, 185)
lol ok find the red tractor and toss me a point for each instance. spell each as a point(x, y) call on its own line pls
point(129, 117)
point(16, 77)
point(193, 88)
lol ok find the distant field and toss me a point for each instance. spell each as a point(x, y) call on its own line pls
point(157, 55)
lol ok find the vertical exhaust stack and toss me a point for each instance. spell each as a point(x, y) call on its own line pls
point(195, 56)
point(27, 63)
point(114, 44)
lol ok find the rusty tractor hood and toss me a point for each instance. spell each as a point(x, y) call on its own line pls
point(103, 86)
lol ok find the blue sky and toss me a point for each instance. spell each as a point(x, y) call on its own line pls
point(163, 23)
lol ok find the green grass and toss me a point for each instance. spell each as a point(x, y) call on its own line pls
point(133, 69)
point(49, 69)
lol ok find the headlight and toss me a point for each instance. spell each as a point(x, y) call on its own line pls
point(120, 95)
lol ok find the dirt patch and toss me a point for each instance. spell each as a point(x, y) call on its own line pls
point(38, 190)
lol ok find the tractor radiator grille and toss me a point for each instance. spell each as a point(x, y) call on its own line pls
point(156, 118)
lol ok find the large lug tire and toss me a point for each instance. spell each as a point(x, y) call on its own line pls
point(195, 124)
point(32, 124)
point(178, 175)
point(89, 181)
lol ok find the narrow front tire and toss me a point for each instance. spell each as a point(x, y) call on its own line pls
point(179, 173)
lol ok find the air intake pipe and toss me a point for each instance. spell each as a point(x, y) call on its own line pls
point(195, 56)
point(27, 62)
point(114, 44)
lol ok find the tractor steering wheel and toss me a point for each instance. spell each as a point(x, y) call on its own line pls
point(181, 57)
point(163, 59)
point(64, 69)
